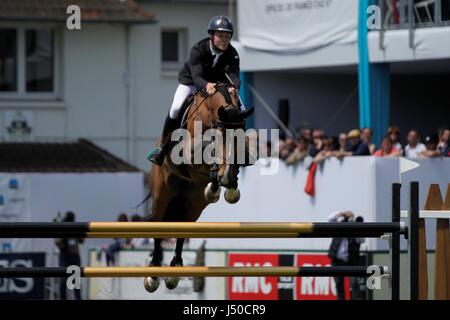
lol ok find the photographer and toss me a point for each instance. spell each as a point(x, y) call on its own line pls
point(344, 251)
point(69, 254)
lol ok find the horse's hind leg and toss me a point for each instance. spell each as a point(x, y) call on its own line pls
point(151, 283)
point(177, 261)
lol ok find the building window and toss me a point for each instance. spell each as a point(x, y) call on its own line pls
point(28, 62)
point(39, 60)
point(173, 49)
point(8, 60)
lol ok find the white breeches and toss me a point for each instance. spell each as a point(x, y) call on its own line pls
point(182, 92)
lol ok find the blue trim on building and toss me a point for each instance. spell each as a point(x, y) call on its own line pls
point(374, 83)
point(364, 66)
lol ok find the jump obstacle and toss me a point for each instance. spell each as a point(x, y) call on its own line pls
point(125, 272)
point(198, 229)
point(391, 230)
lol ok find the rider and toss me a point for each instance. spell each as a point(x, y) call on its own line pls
point(208, 62)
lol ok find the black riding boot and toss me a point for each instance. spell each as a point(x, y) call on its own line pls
point(156, 155)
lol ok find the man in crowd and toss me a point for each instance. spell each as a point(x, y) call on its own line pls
point(367, 135)
point(356, 146)
point(317, 145)
point(414, 147)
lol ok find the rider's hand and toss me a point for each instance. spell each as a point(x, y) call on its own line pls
point(210, 88)
point(232, 90)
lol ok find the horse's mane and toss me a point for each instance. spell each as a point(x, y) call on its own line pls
point(223, 89)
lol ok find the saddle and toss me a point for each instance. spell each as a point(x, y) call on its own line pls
point(182, 115)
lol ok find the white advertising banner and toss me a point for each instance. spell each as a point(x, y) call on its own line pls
point(296, 26)
point(14, 205)
point(133, 288)
point(14, 197)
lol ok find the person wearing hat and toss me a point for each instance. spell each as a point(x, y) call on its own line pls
point(210, 60)
point(355, 147)
point(431, 143)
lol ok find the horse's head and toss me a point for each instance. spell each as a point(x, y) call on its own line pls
point(226, 117)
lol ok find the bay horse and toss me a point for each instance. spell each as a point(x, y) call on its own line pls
point(181, 192)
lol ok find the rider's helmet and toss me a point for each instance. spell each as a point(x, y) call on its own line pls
point(220, 23)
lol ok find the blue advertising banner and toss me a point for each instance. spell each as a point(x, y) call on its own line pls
point(22, 288)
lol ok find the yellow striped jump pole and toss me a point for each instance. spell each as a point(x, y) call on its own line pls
point(164, 235)
point(133, 272)
point(212, 229)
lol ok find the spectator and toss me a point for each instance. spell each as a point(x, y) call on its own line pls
point(327, 150)
point(306, 133)
point(387, 149)
point(394, 133)
point(286, 148)
point(343, 251)
point(444, 135)
point(356, 147)
point(367, 135)
point(414, 147)
point(300, 153)
point(446, 152)
point(343, 142)
point(357, 284)
point(117, 244)
point(69, 254)
point(317, 144)
point(431, 143)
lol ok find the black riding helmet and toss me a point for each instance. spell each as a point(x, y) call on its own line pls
point(220, 23)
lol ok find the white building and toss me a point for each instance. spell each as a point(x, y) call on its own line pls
point(110, 82)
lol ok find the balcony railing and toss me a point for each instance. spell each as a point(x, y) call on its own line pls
point(405, 14)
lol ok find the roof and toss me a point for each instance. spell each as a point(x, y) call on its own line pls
point(204, 2)
point(79, 156)
point(111, 11)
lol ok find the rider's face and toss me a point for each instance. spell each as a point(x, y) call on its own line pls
point(221, 40)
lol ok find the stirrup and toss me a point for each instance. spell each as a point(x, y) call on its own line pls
point(156, 155)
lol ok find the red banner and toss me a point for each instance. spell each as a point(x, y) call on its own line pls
point(253, 288)
point(281, 288)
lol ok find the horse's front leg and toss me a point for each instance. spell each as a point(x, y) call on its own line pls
point(232, 193)
point(157, 254)
point(178, 258)
point(152, 283)
point(177, 261)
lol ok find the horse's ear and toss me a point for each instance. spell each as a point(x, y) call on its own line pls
point(247, 113)
point(221, 112)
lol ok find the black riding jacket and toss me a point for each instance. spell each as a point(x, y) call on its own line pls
point(198, 68)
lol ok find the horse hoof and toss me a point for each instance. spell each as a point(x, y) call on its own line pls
point(211, 195)
point(151, 284)
point(172, 282)
point(232, 195)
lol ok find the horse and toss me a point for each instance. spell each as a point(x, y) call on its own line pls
point(181, 192)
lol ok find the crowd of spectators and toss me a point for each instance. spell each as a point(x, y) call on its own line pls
point(358, 142)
